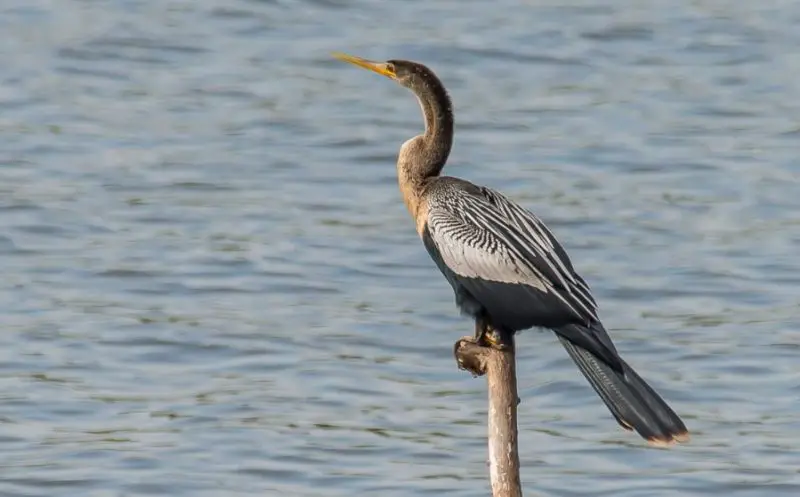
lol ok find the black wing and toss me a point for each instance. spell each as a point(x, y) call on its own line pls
point(507, 260)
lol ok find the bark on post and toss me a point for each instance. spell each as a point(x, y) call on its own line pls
point(497, 362)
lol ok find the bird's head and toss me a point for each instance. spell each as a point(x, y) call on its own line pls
point(430, 150)
point(412, 75)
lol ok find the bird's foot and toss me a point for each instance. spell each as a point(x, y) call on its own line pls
point(471, 353)
point(490, 337)
point(486, 335)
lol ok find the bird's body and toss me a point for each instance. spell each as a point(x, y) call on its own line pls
point(507, 270)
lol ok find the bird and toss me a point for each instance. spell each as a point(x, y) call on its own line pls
point(506, 268)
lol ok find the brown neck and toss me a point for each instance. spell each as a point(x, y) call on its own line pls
point(424, 156)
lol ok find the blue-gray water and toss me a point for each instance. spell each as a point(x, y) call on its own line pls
point(210, 286)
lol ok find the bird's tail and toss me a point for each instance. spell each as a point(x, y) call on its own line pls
point(634, 404)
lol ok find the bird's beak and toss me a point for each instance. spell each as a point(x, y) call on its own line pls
point(378, 67)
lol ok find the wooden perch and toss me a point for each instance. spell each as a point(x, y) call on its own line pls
point(497, 362)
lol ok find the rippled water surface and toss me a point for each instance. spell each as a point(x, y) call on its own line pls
point(211, 288)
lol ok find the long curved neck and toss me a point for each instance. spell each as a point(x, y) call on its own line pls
point(424, 156)
point(438, 138)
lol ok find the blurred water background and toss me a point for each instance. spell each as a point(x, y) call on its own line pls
point(210, 286)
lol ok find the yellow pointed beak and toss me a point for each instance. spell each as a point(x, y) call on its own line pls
point(378, 67)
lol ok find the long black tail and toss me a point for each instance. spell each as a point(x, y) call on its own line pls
point(634, 404)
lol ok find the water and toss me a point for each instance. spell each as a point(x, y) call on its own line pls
point(211, 288)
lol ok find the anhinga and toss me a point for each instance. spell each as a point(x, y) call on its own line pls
point(505, 266)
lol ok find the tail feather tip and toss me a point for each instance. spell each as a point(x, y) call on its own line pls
point(669, 440)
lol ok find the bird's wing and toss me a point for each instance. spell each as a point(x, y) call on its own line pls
point(546, 246)
point(511, 263)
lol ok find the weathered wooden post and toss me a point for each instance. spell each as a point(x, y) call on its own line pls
point(497, 362)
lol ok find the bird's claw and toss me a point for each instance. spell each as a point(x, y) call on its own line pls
point(491, 338)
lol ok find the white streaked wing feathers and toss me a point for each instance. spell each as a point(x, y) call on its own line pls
point(496, 240)
point(531, 223)
point(474, 254)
